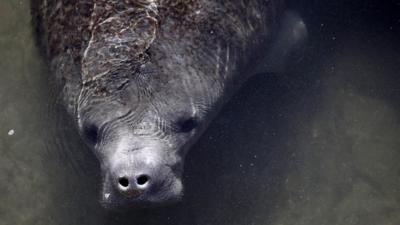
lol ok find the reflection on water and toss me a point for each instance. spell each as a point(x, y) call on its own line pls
point(319, 145)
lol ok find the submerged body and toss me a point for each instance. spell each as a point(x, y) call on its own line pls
point(143, 78)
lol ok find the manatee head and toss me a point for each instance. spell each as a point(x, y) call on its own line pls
point(140, 124)
point(145, 98)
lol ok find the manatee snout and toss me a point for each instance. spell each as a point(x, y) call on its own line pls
point(141, 172)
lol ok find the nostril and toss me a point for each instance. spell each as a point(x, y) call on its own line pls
point(123, 181)
point(142, 179)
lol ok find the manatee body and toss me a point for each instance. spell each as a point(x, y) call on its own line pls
point(143, 78)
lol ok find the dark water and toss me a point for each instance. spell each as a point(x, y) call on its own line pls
point(319, 144)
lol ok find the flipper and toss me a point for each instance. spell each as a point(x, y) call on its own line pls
point(291, 35)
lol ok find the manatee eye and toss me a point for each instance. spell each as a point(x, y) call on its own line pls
point(187, 125)
point(91, 133)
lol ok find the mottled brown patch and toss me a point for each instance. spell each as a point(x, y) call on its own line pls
point(126, 34)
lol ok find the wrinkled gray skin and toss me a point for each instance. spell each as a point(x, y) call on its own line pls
point(143, 78)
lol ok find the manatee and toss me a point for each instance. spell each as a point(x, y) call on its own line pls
point(142, 79)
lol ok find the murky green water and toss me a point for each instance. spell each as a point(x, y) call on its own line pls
point(319, 145)
point(22, 98)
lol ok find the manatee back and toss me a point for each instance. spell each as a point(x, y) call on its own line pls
point(62, 26)
point(65, 28)
point(66, 25)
